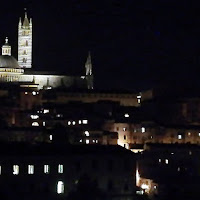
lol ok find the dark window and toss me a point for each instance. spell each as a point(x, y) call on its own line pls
point(124, 137)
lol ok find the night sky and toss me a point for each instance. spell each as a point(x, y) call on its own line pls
point(134, 44)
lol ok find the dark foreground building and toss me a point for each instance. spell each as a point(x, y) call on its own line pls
point(49, 172)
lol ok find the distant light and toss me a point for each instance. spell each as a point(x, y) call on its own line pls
point(34, 93)
point(199, 134)
point(154, 186)
point(85, 121)
point(50, 137)
point(80, 140)
point(87, 141)
point(15, 169)
point(126, 115)
point(166, 161)
point(144, 186)
point(172, 153)
point(87, 134)
point(143, 130)
point(34, 116)
point(79, 121)
point(30, 169)
point(124, 129)
point(60, 169)
point(189, 133)
point(43, 123)
point(60, 187)
point(46, 169)
point(69, 123)
point(73, 123)
point(25, 92)
point(35, 124)
point(179, 137)
point(46, 111)
point(159, 160)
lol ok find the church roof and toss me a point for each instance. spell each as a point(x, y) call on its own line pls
point(7, 61)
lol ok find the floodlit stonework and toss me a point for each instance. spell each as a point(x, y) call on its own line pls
point(20, 72)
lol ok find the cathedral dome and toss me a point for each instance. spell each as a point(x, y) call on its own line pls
point(7, 61)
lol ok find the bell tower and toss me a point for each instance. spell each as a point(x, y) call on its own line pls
point(25, 42)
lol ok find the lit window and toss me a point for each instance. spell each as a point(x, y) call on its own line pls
point(179, 137)
point(87, 141)
point(144, 186)
point(159, 160)
point(46, 169)
point(190, 152)
point(35, 124)
point(43, 123)
point(46, 111)
point(50, 137)
point(96, 141)
point(189, 133)
point(166, 161)
point(79, 121)
point(34, 93)
point(143, 130)
point(139, 99)
point(87, 134)
point(60, 187)
point(80, 140)
point(34, 116)
point(172, 153)
point(30, 169)
point(60, 169)
point(124, 129)
point(199, 134)
point(93, 141)
point(73, 122)
point(69, 123)
point(15, 169)
point(151, 137)
point(126, 115)
point(85, 121)
point(155, 187)
point(26, 92)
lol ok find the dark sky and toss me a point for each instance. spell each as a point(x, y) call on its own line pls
point(134, 44)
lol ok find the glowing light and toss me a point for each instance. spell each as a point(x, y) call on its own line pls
point(87, 141)
point(124, 129)
point(15, 169)
point(126, 115)
point(43, 123)
point(34, 93)
point(189, 133)
point(60, 169)
point(46, 111)
point(46, 169)
point(179, 137)
point(85, 121)
point(159, 160)
point(35, 124)
point(34, 116)
point(199, 134)
point(30, 169)
point(87, 134)
point(60, 187)
point(137, 178)
point(50, 137)
point(144, 186)
point(69, 123)
point(143, 130)
point(166, 161)
point(73, 123)
point(80, 140)
point(79, 121)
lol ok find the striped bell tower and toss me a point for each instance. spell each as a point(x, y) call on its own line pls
point(25, 42)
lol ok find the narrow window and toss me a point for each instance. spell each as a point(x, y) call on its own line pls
point(46, 169)
point(15, 169)
point(30, 169)
point(60, 169)
point(124, 137)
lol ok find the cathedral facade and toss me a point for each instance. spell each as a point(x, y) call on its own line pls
point(21, 72)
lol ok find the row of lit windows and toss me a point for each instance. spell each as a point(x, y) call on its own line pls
point(84, 121)
point(143, 130)
point(31, 169)
point(180, 136)
point(87, 141)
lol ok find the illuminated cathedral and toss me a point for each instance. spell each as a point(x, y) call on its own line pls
point(20, 72)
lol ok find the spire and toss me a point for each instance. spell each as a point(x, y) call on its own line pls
point(6, 48)
point(26, 22)
point(20, 21)
point(88, 65)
